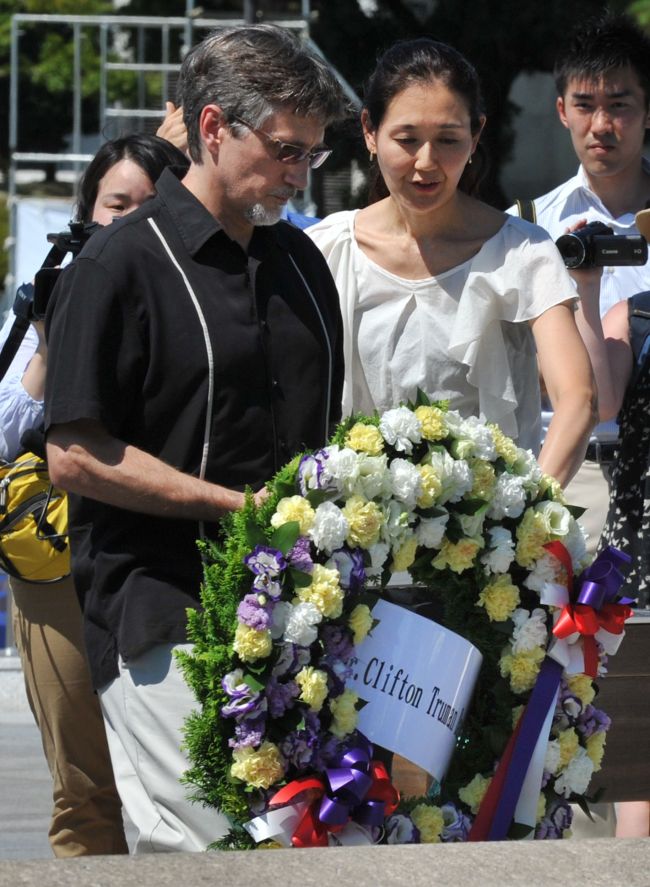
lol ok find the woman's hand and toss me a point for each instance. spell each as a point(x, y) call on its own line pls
point(173, 128)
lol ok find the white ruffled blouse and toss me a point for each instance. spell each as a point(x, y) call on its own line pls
point(460, 336)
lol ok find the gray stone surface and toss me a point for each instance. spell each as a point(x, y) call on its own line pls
point(594, 863)
point(12, 686)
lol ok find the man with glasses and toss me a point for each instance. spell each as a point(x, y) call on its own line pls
point(195, 347)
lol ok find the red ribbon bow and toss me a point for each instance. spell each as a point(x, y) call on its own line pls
point(380, 800)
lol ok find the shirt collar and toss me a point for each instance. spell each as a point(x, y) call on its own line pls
point(580, 183)
point(195, 224)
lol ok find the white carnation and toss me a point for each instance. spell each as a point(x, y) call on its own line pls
point(527, 467)
point(501, 551)
point(378, 556)
point(575, 543)
point(556, 517)
point(574, 779)
point(552, 760)
point(301, 625)
point(342, 468)
point(480, 436)
point(396, 526)
point(406, 481)
point(430, 530)
point(472, 524)
point(529, 631)
point(401, 429)
point(373, 481)
point(544, 571)
point(455, 476)
point(330, 527)
point(509, 497)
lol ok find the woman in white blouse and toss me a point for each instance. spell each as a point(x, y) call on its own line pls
point(442, 292)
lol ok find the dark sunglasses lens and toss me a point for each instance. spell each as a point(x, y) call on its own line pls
point(318, 158)
point(291, 153)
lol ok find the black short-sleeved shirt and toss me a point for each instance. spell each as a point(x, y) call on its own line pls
point(181, 344)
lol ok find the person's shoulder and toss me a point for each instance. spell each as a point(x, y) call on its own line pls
point(121, 233)
point(519, 232)
point(553, 200)
point(338, 224)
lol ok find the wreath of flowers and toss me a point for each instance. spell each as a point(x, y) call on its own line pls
point(288, 594)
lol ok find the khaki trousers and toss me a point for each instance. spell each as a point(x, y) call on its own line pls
point(87, 812)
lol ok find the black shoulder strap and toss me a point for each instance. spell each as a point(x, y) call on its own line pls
point(639, 320)
point(12, 344)
point(526, 209)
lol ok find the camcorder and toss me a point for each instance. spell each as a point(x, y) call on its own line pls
point(32, 299)
point(596, 246)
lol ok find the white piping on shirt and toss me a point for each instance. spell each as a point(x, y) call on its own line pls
point(329, 347)
point(208, 348)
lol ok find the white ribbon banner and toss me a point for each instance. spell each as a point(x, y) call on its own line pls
point(417, 678)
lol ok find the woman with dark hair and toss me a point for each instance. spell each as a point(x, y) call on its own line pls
point(440, 291)
point(87, 813)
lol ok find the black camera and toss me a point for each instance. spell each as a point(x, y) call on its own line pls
point(32, 300)
point(596, 246)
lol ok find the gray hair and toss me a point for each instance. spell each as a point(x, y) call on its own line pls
point(252, 71)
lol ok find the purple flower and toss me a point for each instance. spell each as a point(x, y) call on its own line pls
point(248, 733)
point(592, 720)
point(265, 584)
point(311, 472)
point(250, 704)
point(291, 659)
point(349, 563)
point(253, 613)
point(300, 555)
point(558, 818)
point(298, 748)
point(265, 561)
point(337, 641)
point(456, 824)
point(279, 696)
point(401, 830)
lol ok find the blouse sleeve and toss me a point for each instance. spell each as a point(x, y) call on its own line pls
point(333, 236)
point(517, 277)
point(19, 412)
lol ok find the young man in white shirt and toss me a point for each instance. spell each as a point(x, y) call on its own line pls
point(603, 83)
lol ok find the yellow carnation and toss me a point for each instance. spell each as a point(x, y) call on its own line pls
point(324, 592)
point(360, 622)
point(404, 556)
point(532, 535)
point(541, 808)
point(250, 644)
point(313, 687)
point(549, 483)
point(431, 486)
point(522, 668)
point(582, 686)
point(364, 520)
point(596, 749)
point(432, 420)
point(473, 793)
point(484, 480)
point(569, 742)
point(345, 714)
point(261, 768)
point(500, 598)
point(429, 822)
point(505, 447)
point(294, 508)
point(365, 439)
point(458, 556)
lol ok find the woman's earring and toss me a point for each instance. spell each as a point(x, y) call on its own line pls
point(469, 162)
point(371, 156)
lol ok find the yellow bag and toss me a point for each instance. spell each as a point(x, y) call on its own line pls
point(33, 522)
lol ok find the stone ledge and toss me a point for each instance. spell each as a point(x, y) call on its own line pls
point(598, 863)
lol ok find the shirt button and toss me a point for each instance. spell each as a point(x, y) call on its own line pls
point(275, 384)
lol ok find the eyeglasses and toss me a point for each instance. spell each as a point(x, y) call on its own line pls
point(286, 153)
